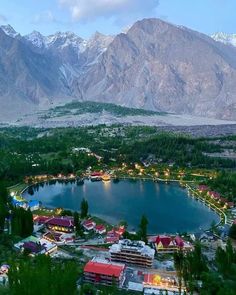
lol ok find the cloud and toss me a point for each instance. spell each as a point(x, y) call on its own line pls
point(3, 18)
point(87, 10)
point(44, 17)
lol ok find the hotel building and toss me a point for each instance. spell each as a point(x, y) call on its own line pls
point(133, 253)
point(104, 272)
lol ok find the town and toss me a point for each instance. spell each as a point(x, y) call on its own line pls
point(114, 255)
point(111, 255)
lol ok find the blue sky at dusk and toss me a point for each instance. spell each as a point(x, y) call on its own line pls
point(111, 16)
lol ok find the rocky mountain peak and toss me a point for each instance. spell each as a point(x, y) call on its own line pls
point(10, 31)
point(100, 40)
point(36, 39)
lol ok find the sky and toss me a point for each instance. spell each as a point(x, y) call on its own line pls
point(84, 17)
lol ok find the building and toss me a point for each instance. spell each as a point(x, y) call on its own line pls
point(19, 203)
point(36, 246)
point(112, 237)
point(214, 195)
point(41, 220)
point(54, 237)
point(100, 229)
point(203, 188)
point(171, 244)
point(34, 205)
point(114, 234)
point(132, 252)
point(104, 272)
point(61, 224)
point(96, 176)
point(89, 224)
point(156, 282)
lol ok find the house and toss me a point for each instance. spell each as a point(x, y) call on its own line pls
point(214, 195)
point(164, 243)
point(54, 237)
point(112, 237)
point(19, 203)
point(96, 176)
point(36, 246)
point(104, 272)
point(89, 224)
point(100, 229)
point(120, 230)
point(230, 205)
point(61, 224)
point(39, 219)
point(34, 205)
point(203, 188)
point(171, 244)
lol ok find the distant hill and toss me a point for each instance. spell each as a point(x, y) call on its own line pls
point(154, 66)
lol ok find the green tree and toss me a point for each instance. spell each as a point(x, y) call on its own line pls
point(143, 228)
point(232, 232)
point(4, 198)
point(43, 276)
point(179, 266)
point(84, 208)
point(22, 222)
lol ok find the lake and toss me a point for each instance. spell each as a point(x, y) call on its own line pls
point(168, 207)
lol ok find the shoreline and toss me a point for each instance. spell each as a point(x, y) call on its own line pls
point(218, 211)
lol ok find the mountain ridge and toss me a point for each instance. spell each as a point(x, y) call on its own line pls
point(154, 65)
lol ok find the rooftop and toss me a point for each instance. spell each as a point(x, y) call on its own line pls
point(61, 221)
point(135, 246)
point(104, 268)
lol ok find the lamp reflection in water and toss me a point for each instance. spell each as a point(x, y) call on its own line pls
point(107, 185)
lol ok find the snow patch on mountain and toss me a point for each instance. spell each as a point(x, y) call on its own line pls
point(225, 38)
point(36, 39)
point(8, 30)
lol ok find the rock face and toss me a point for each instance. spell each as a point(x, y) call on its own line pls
point(154, 65)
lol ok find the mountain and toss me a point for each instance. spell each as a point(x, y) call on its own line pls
point(154, 65)
point(159, 66)
point(28, 80)
point(225, 38)
point(8, 30)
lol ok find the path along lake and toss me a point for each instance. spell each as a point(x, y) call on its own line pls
point(168, 207)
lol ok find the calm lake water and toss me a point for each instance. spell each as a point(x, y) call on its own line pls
point(168, 207)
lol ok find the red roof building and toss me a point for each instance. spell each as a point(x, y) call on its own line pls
point(41, 219)
point(94, 174)
point(171, 244)
point(120, 231)
point(164, 241)
point(89, 224)
point(103, 272)
point(179, 242)
point(61, 224)
point(203, 188)
point(112, 237)
point(214, 195)
point(100, 229)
